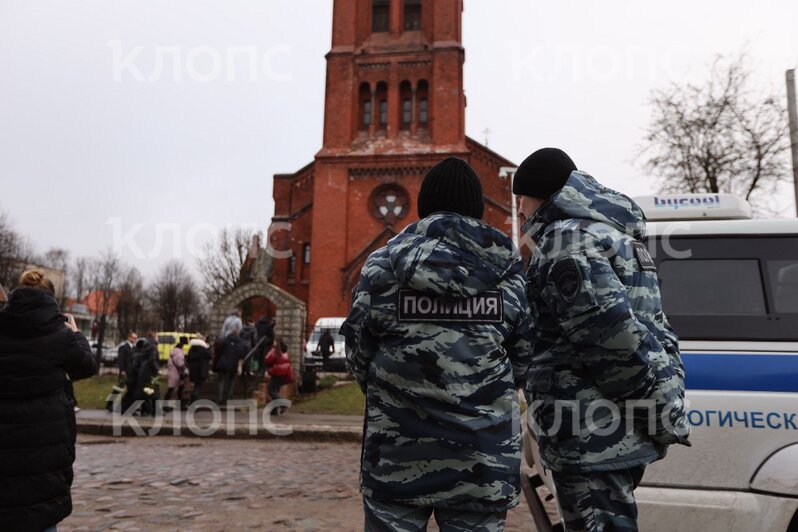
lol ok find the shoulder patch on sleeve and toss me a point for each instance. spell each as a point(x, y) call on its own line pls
point(644, 257)
point(567, 277)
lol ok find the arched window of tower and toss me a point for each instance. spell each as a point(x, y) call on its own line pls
point(383, 114)
point(422, 94)
point(382, 104)
point(407, 98)
point(365, 107)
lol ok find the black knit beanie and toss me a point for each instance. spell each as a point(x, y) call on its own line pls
point(543, 173)
point(451, 186)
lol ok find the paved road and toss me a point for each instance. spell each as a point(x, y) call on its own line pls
point(169, 483)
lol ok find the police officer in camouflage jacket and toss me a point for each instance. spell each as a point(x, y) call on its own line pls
point(606, 384)
point(438, 338)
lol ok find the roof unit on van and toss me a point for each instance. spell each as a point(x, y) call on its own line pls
point(329, 323)
point(694, 207)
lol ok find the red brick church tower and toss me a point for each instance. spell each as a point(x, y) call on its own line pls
point(394, 107)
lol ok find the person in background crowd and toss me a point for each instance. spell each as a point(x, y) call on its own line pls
point(249, 339)
point(124, 361)
point(136, 361)
point(265, 329)
point(227, 364)
point(280, 371)
point(326, 346)
point(124, 357)
point(146, 369)
point(40, 349)
point(198, 362)
point(249, 335)
point(232, 322)
point(256, 367)
point(176, 371)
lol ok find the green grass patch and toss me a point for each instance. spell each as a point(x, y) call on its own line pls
point(327, 382)
point(92, 393)
point(345, 400)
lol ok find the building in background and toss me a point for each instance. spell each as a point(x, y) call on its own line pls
point(88, 313)
point(394, 107)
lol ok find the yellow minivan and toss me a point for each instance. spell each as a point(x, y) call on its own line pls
point(168, 340)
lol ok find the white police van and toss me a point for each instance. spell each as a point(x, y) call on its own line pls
point(337, 361)
point(730, 290)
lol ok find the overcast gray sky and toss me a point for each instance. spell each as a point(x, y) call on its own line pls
point(86, 137)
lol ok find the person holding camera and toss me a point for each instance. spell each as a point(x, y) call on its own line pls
point(40, 349)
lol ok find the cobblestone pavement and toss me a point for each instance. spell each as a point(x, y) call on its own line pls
point(169, 483)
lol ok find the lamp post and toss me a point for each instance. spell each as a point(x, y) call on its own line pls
point(508, 172)
point(793, 117)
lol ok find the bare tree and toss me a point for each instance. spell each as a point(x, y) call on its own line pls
point(15, 253)
point(188, 305)
point(104, 278)
point(174, 297)
point(80, 277)
point(130, 306)
point(58, 259)
point(222, 262)
point(718, 136)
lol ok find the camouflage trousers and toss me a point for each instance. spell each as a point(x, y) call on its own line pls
point(599, 501)
point(386, 517)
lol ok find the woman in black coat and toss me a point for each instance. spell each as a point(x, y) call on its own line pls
point(199, 364)
point(227, 365)
point(146, 366)
point(39, 349)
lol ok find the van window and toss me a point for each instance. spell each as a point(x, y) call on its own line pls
point(784, 285)
point(732, 288)
point(315, 336)
point(712, 288)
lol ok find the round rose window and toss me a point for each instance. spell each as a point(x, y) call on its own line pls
point(389, 203)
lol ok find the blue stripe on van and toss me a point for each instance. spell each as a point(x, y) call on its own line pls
point(741, 372)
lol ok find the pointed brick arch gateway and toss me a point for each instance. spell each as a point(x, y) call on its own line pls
point(289, 319)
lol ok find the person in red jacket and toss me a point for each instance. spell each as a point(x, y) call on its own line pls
point(280, 370)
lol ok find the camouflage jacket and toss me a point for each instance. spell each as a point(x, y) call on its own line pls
point(438, 338)
point(606, 384)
